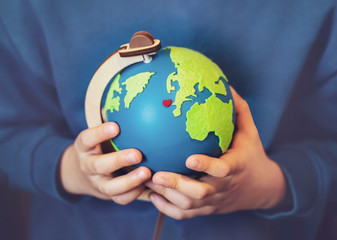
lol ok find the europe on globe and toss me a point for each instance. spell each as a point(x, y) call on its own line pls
point(177, 105)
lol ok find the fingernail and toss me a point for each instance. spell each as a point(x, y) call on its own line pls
point(152, 197)
point(193, 164)
point(132, 158)
point(141, 174)
point(110, 129)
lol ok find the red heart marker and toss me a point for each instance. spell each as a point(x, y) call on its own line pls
point(167, 103)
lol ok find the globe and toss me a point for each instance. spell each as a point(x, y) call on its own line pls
point(177, 105)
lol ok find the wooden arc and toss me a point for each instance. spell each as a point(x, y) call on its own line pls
point(108, 69)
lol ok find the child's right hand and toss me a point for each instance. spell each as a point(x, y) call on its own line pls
point(85, 170)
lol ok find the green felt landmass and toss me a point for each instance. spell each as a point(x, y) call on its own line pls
point(135, 85)
point(211, 116)
point(193, 68)
point(169, 86)
point(112, 103)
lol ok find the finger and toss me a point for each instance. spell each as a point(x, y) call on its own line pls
point(244, 119)
point(183, 184)
point(111, 162)
point(122, 184)
point(216, 167)
point(128, 197)
point(175, 212)
point(96, 193)
point(172, 195)
point(176, 198)
point(90, 138)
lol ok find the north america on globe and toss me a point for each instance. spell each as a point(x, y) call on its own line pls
point(177, 105)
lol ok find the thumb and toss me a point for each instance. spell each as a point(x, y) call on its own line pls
point(216, 167)
point(244, 120)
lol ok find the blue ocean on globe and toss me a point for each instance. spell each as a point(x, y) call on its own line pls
point(150, 126)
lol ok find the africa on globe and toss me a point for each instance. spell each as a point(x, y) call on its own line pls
point(177, 105)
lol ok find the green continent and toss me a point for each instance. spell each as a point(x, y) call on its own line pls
point(112, 103)
point(135, 85)
point(211, 116)
point(193, 68)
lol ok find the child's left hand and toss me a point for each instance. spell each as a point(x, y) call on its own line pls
point(243, 178)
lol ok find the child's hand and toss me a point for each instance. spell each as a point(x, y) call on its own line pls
point(243, 178)
point(85, 170)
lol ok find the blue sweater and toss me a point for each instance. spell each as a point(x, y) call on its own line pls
point(281, 56)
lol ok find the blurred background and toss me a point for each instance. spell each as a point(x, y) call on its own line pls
point(14, 210)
